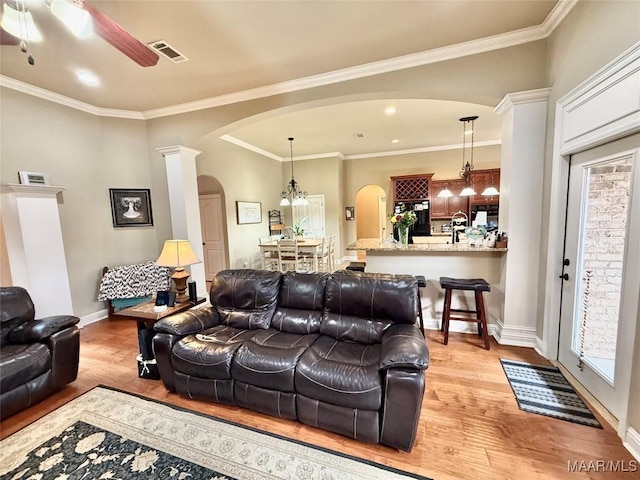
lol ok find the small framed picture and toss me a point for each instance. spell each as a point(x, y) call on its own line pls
point(131, 207)
point(33, 178)
point(349, 213)
point(249, 212)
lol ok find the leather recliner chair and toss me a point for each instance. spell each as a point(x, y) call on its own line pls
point(37, 356)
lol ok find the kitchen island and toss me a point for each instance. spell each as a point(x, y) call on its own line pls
point(435, 260)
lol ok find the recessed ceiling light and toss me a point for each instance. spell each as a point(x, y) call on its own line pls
point(87, 78)
point(395, 140)
point(390, 111)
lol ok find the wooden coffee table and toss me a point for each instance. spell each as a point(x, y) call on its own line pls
point(145, 317)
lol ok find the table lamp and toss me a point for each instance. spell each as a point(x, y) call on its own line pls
point(177, 254)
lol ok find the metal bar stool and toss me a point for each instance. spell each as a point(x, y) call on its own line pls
point(422, 282)
point(477, 285)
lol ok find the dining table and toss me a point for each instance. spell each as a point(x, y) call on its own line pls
point(306, 247)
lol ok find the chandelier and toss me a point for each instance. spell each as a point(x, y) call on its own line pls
point(293, 194)
point(467, 166)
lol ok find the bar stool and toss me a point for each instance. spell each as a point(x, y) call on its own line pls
point(357, 266)
point(422, 282)
point(476, 285)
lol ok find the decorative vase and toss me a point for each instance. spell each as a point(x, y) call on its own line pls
point(403, 235)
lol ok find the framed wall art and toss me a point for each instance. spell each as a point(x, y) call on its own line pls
point(249, 212)
point(349, 213)
point(131, 207)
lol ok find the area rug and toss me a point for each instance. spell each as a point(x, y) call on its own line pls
point(109, 434)
point(544, 390)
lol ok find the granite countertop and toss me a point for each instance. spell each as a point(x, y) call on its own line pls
point(378, 245)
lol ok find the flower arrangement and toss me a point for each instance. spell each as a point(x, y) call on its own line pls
point(298, 227)
point(403, 219)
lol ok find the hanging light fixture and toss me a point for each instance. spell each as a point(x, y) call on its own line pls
point(17, 21)
point(467, 166)
point(445, 192)
point(293, 194)
point(75, 18)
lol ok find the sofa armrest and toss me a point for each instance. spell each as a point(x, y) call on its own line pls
point(40, 329)
point(192, 321)
point(403, 346)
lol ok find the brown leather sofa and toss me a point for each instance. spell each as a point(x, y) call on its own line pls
point(37, 357)
point(337, 351)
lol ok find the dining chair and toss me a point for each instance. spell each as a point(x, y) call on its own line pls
point(332, 252)
point(288, 256)
point(269, 258)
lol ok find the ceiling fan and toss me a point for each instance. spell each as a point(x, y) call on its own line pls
point(18, 28)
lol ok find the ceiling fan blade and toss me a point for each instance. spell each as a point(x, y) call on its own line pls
point(7, 39)
point(121, 39)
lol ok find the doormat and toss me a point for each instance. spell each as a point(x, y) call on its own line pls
point(544, 390)
point(107, 433)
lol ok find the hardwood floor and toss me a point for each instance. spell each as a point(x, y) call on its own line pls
point(470, 427)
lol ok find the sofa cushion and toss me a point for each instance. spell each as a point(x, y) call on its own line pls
point(300, 302)
point(209, 354)
point(245, 298)
point(17, 308)
point(21, 363)
point(341, 373)
point(269, 359)
point(361, 306)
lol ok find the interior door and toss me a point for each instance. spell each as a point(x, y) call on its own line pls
point(213, 238)
point(601, 270)
point(314, 211)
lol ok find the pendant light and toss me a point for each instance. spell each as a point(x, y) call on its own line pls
point(467, 167)
point(293, 194)
point(445, 192)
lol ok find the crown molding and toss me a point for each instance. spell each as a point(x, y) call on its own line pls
point(341, 156)
point(450, 52)
point(520, 98)
point(67, 101)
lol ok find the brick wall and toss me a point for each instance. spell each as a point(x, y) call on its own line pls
point(604, 243)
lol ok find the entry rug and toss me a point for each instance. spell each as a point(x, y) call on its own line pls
point(544, 390)
point(108, 434)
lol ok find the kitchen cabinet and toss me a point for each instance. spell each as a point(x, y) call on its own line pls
point(444, 208)
point(411, 188)
point(481, 179)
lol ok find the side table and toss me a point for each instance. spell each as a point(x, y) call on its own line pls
point(145, 317)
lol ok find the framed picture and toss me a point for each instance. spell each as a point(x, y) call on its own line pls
point(349, 213)
point(131, 207)
point(249, 212)
point(33, 178)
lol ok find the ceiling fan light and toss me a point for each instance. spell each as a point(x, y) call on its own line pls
point(20, 24)
point(490, 190)
point(467, 192)
point(76, 19)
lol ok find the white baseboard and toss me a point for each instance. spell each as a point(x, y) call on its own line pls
point(632, 442)
point(540, 347)
point(93, 317)
point(515, 335)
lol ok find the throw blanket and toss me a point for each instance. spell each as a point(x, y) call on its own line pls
point(131, 281)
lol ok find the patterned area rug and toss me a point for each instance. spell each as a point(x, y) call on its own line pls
point(108, 434)
point(544, 390)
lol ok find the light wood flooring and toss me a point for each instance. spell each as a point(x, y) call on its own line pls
point(470, 427)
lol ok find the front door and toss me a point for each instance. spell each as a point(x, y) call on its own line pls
point(213, 239)
point(601, 270)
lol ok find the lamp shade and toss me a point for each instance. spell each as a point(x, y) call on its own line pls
point(467, 191)
point(177, 253)
point(490, 190)
point(76, 19)
point(445, 193)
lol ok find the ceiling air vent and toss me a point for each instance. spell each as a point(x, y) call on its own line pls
point(163, 48)
point(359, 135)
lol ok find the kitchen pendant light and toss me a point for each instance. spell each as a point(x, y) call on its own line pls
point(445, 193)
point(490, 191)
point(467, 166)
point(293, 194)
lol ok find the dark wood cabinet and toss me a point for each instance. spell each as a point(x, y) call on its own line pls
point(444, 208)
point(411, 188)
point(482, 179)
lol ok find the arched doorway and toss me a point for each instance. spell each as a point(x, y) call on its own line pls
point(371, 211)
point(214, 226)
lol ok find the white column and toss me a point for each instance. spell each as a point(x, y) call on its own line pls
point(521, 183)
point(184, 204)
point(35, 247)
